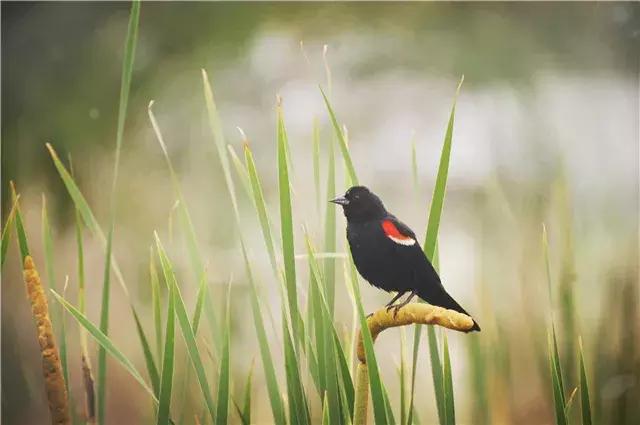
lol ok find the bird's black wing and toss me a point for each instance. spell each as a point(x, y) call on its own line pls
point(423, 278)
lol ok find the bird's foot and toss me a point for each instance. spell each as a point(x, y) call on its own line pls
point(395, 308)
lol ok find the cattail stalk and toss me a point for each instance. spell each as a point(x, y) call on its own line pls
point(51, 366)
point(414, 313)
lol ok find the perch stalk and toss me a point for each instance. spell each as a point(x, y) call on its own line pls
point(414, 313)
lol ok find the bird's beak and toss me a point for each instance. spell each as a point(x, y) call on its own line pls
point(340, 200)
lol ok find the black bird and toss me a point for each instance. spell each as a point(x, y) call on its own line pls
point(387, 254)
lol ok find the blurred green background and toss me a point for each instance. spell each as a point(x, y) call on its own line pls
point(546, 131)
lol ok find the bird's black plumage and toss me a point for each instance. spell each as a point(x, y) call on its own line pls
point(387, 253)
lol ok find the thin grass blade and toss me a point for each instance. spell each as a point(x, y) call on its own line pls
point(223, 381)
point(277, 406)
point(241, 171)
point(298, 406)
point(449, 406)
point(330, 228)
point(275, 398)
point(185, 326)
point(246, 405)
point(431, 236)
point(315, 149)
point(286, 228)
point(6, 232)
point(335, 357)
point(375, 383)
point(351, 171)
point(200, 299)
point(556, 384)
point(23, 245)
point(585, 404)
point(166, 383)
point(105, 342)
point(150, 363)
point(260, 204)
point(155, 301)
point(326, 336)
point(187, 227)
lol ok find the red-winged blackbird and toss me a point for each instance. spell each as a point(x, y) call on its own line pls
point(387, 254)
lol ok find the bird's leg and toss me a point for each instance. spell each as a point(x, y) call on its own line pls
point(394, 299)
point(403, 303)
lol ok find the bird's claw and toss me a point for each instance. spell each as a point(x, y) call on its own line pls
point(395, 308)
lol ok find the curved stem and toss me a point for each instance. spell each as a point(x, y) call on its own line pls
point(414, 313)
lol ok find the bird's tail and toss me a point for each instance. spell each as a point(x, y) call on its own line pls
point(441, 298)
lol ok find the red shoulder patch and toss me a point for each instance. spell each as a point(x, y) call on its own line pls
point(392, 232)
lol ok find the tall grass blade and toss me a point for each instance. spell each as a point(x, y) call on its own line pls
point(334, 367)
point(330, 228)
point(387, 405)
point(23, 245)
point(185, 326)
point(315, 149)
point(556, 383)
point(166, 384)
point(104, 341)
point(87, 373)
point(478, 360)
point(150, 363)
point(85, 211)
point(431, 237)
point(218, 137)
point(223, 381)
point(556, 367)
point(351, 171)
point(156, 303)
point(6, 233)
point(298, 406)
point(127, 70)
point(261, 208)
point(277, 406)
point(436, 373)
point(200, 299)
point(187, 226)
point(326, 416)
point(245, 412)
point(275, 398)
point(240, 170)
point(585, 404)
point(449, 407)
point(286, 229)
point(375, 382)
point(437, 200)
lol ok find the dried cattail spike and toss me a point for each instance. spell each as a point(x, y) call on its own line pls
point(51, 366)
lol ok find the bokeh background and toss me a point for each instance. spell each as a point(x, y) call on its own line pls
point(546, 131)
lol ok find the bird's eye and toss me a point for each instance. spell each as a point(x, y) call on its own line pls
point(357, 196)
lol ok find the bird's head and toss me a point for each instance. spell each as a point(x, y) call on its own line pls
point(360, 204)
